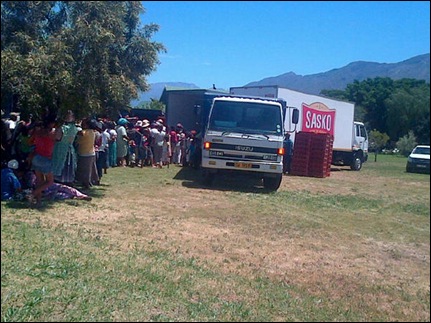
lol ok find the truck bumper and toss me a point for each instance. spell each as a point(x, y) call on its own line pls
point(216, 165)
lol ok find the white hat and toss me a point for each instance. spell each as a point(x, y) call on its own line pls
point(138, 123)
point(13, 164)
point(145, 123)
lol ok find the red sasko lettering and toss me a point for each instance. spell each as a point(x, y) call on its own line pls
point(318, 121)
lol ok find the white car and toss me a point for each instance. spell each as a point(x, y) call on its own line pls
point(419, 160)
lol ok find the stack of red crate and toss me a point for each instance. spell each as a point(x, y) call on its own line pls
point(319, 164)
point(312, 154)
point(301, 154)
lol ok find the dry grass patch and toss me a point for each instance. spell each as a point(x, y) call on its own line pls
point(351, 240)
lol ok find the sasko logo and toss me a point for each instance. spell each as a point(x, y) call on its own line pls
point(317, 117)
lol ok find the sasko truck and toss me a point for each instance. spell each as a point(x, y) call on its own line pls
point(244, 135)
point(321, 115)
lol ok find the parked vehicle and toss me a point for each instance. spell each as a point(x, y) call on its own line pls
point(419, 160)
point(244, 135)
point(322, 115)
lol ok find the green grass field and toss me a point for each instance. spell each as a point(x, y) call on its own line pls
point(155, 245)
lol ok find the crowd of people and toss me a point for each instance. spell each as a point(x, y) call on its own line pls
point(50, 157)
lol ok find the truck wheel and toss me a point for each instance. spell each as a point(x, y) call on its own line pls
point(207, 178)
point(356, 163)
point(272, 183)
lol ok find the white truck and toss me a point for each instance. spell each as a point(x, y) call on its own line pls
point(244, 135)
point(322, 115)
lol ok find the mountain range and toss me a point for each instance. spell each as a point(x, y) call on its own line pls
point(417, 67)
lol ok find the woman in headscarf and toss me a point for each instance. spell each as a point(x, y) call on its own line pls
point(122, 142)
point(64, 160)
point(112, 151)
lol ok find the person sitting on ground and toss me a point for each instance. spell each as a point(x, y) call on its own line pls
point(10, 185)
point(58, 191)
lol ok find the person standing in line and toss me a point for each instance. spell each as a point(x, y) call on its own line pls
point(146, 143)
point(21, 138)
point(179, 150)
point(102, 145)
point(159, 139)
point(106, 135)
point(288, 152)
point(11, 123)
point(112, 159)
point(64, 160)
point(135, 135)
point(166, 152)
point(43, 138)
point(6, 136)
point(173, 139)
point(86, 169)
point(122, 142)
point(140, 144)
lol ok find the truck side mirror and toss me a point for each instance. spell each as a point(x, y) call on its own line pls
point(295, 116)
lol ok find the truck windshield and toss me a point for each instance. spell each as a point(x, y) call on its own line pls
point(255, 118)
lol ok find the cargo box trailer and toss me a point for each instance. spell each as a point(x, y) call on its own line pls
point(321, 115)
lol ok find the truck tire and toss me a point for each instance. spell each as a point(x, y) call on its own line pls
point(207, 178)
point(356, 163)
point(272, 183)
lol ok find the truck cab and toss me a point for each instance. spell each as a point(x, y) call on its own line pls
point(358, 154)
point(244, 135)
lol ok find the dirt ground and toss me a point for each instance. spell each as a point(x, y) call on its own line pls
point(208, 224)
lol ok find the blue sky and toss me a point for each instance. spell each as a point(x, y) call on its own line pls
point(232, 43)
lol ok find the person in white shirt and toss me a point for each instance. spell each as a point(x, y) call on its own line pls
point(159, 138)
point(102, 157)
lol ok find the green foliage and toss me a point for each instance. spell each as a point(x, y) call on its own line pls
point(371, 94)
point(407, 143)
point(377, 140)
point(336, 94)
point(408, 109)
point(153, 105)
point(92, 57)
point(394, 107)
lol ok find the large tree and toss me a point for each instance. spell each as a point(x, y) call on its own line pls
point(370, 96)
point(89, 56)
point(393, 107)
point(408, 108)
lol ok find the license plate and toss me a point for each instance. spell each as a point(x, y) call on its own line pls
point(243, 165)
point(420, 166)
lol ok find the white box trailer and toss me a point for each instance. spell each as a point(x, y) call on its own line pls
point(320, 114)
